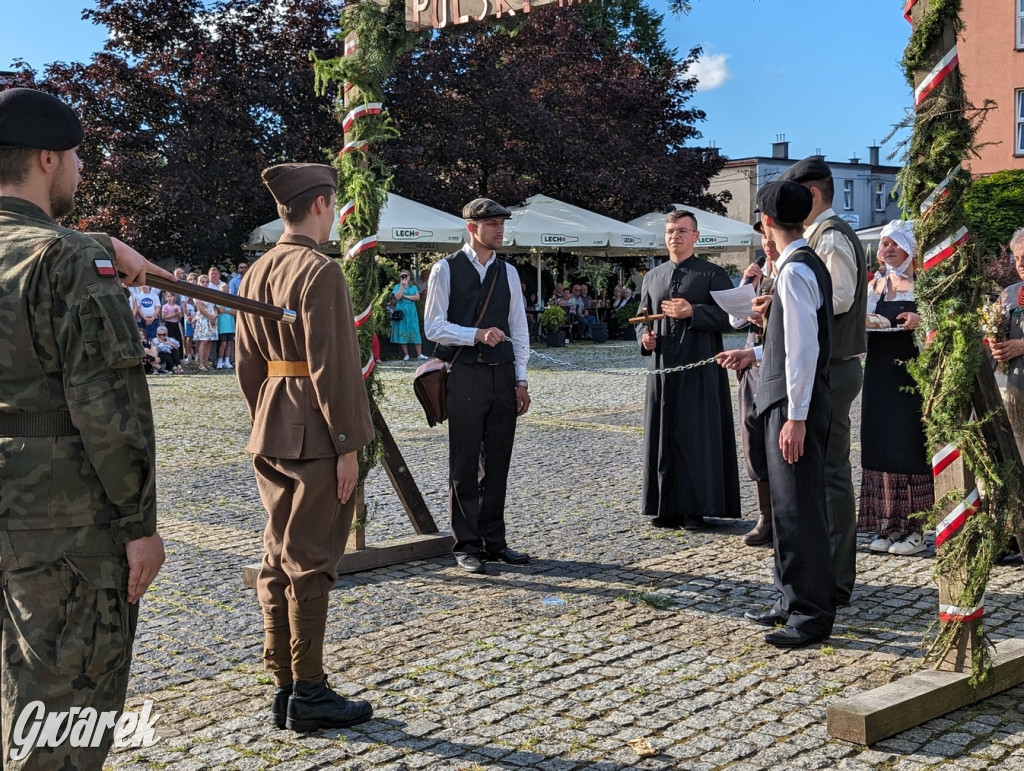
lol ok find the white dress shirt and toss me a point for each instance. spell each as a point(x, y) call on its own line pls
point(840, 259)
point(797, 287)
point(435, 311)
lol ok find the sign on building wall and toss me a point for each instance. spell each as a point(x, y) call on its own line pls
point(420, 14)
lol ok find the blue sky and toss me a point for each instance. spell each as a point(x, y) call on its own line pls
point(825, 73)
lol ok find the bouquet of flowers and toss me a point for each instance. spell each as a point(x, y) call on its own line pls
point(995, 323)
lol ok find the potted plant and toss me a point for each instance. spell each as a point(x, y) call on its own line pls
point(623, 315)
point(552, 320)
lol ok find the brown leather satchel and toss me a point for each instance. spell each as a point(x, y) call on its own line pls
point(430, 383)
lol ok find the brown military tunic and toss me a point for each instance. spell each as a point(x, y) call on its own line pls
point(301, 424)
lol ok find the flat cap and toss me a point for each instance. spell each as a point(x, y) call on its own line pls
point(287, 180)
point(484, 209)
point(810, 169)
point(31, 118)
point(785, 201)
point(758, 228)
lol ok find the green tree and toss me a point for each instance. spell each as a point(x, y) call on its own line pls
point(994, 208)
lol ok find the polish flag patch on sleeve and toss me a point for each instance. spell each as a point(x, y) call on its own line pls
point(104, 267)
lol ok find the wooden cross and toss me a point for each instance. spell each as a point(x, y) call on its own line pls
point(647, 319)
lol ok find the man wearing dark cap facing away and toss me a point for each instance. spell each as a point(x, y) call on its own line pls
point(475, 312)
point(310, 416)
point(834, 241)
point(78, 540)
point(792, 398)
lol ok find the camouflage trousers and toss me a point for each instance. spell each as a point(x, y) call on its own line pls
point(65, 641)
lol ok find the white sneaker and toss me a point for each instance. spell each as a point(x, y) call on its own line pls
point(227, 364)
point(911, 544)
point(220, 363)
point(405, 358)
point(881, 545)
point(422, 357)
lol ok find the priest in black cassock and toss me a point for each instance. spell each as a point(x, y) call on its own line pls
point(690, 469)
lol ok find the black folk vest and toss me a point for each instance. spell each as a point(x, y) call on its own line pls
point(465, 299)
point(850, 336)
point(771, 382)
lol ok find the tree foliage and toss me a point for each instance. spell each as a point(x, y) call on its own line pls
point(184, 107)
point(547, 105)
point(994, 208)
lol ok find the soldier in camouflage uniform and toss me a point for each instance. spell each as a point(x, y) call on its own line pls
point(78, 540)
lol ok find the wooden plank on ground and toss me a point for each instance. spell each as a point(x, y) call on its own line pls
point(414, 547)
point(877, 714)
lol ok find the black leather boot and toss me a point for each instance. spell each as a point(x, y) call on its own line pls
point(313, 706)
point(279, 709)
point(762, 532)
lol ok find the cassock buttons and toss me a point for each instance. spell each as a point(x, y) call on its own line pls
point(341, 437)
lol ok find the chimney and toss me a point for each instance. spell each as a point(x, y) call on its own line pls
point(780, 148)
point(873, 155)
point(855, 159)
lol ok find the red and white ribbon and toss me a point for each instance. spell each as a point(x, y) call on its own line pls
point(941, 191)
point(906, 10)
point(944, 458)
point(353, 146)
point(370, 365)
point(949, 613)
point(361, 246)
point(953, 521)
point(945, 249)
point(946, 65)
point(352, 43)
point(372, 108)
point(345, 211)
point(362, 317)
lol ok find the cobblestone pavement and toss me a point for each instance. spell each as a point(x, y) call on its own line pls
point(554, 666)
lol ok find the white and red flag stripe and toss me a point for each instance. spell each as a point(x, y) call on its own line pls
point(946, 65)
point(943, 459)
point(371, 108)
point(104, 267)
point(351, 44)
point(345, 211)
point(949, 613)
point(355, 144)
point(941, 191)
point(945, 248)
point(953, 521)
point(362, 317)
point(370, 365)
point(906, 9)
point(361, 246)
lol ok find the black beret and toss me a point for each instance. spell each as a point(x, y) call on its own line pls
point(785, 201)
point(287, 180)
point(484, 209)
point(810, 169)
point(757, 221)
point(31, 118)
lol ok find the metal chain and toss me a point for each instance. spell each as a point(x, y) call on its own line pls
point(605, 371)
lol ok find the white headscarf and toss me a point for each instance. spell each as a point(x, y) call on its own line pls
point(902, 232)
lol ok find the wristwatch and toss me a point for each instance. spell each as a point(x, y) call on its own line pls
point(522, 384)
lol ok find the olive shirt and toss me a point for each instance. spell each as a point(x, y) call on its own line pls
point(70, 353)
point(323, 415)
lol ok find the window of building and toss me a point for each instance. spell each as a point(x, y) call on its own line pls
point(1018, 147)
point(848, 190)
point(879, 196)
point(1020, 23)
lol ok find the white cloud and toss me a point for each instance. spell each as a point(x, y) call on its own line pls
point(711, 71)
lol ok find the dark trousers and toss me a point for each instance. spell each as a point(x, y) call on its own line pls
point(481, 430)
point(803, 564)
point(845, 380)
point(752, 428)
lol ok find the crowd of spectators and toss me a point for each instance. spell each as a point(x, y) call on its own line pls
point(177, 329)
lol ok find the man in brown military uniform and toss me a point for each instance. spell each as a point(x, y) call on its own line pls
point(78, 541)
point(304, 387)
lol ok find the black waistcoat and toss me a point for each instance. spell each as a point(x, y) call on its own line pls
point(771, 382)
point(466, 298)
point(850, 336)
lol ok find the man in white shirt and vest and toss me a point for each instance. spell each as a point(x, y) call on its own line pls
point(475, 312)
point(792, 398)
point(834, 241)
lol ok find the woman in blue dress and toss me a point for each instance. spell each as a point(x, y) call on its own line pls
point(406, 331)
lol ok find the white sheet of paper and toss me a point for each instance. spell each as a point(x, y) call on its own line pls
point(735, 302)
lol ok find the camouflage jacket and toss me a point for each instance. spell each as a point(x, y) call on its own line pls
point(72, 384)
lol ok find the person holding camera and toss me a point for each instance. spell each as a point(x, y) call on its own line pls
point(405, 323)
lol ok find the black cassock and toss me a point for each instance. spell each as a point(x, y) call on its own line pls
point(690, 468)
